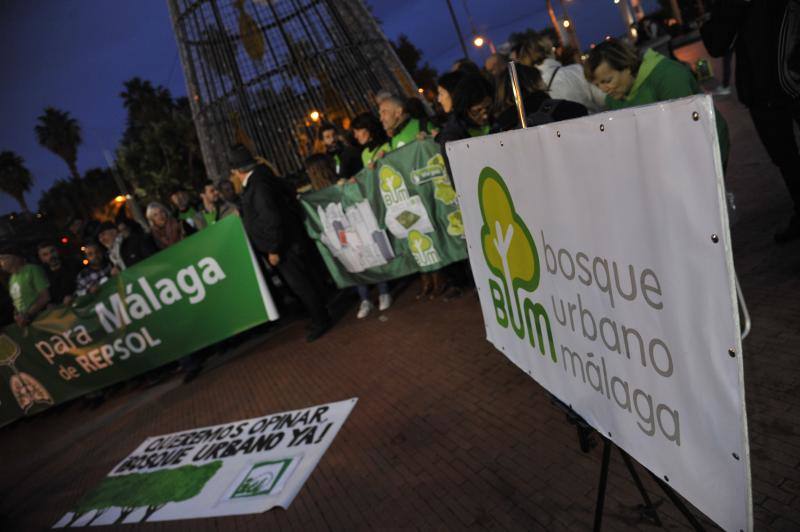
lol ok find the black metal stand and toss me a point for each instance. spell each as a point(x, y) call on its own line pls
point(647, 510)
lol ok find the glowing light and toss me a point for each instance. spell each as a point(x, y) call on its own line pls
point(85, 262)
point(314, 116)
point(64, 240)
point(119, 200)
point(478, 41)
point(83, 248)
point(420, 90)
point(616, 1)
point(566, 23)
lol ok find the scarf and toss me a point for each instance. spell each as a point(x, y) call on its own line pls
point(171, 233)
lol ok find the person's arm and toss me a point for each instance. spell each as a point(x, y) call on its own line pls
point(41, 301)
point(719, 33)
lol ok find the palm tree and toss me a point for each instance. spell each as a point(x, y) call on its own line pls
point(15, 179)
point(61, 134)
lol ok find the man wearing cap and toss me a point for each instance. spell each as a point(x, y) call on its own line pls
point(274, 223)
point(27, 286)
point(124, 250)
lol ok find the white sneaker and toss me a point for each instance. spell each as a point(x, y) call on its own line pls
point(384, 302)
point(364, 309)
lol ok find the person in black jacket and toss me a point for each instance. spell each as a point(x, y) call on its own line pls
point(274, 223)
point(124, 250)
point(346, 159)
point(763, 34)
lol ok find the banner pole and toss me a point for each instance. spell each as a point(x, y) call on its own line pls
point(512, 72)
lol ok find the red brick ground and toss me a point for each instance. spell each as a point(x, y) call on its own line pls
point(447, 434)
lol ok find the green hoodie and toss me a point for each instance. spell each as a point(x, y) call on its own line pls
point(660, 79)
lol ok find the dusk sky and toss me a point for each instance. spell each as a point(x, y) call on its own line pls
point(75, 54)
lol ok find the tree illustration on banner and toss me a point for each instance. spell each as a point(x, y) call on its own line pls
point(151, 490)
point(510, 254)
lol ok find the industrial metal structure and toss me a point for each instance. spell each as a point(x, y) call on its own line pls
point(265, 72)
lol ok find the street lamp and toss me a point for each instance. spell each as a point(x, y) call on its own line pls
point(479, 41)
point(314, 116)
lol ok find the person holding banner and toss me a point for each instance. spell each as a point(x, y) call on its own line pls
point(370, 135)
point(322, 175)
point(214, 207)
point(27, 286)
point(274, 225)
point(629, 80)
point(399, 125)
point(346, 160)
point(165, 228)
point(124, 250)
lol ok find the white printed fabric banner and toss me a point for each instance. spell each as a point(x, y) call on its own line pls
point(601, 252)
point(235, 468)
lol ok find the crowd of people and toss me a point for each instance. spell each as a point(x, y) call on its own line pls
point(471, 101)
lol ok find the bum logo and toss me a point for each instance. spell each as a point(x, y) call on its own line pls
point(422, 248)
point(511, 255)
point(393, 187)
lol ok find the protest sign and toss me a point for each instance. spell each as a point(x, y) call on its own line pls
point(399, 218)
point(235, 468)
point(199, 291)
point(601, 252)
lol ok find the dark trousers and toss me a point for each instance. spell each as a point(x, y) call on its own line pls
point(775, 127)
point(298, 273)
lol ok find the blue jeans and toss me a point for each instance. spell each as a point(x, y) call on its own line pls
point(363, 290)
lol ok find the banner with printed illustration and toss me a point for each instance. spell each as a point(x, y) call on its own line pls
point(399, 218)
point(601, 252)
point(235, 468)
point(199, 291)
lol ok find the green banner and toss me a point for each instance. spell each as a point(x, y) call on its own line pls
point(399, 218)
point(198, 292)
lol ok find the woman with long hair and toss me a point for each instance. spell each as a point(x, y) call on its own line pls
point(165, 228)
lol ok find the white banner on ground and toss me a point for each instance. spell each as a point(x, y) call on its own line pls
point(601, 252)
point(242, 467)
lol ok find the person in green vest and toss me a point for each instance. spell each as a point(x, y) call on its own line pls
point(214, 207)
point(27, 286)
point(399, 125)
point(629, 79)
point(370, 135)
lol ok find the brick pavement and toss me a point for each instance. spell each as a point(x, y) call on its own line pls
point(447, 433)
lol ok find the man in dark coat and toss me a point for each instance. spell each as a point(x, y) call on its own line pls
point(764, 35)
point(274, 225)
point(124, 250)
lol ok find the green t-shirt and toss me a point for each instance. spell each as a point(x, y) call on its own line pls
point(209, 217)
point(187, 215)
point(25, 285)
point(660, 79)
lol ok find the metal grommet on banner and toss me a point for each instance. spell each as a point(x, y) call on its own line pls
point(501, 144)
point(602, 127)
point(714, 238)
point(558, 134)
point(609, 435)
point(732, 352)
point(695, 116)
point(666, 478)
point(735, 455)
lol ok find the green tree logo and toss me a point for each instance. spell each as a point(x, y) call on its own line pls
point(389, 178)
point(455, 225)
point(444, 191)
point(511, 255)
point(422, 248)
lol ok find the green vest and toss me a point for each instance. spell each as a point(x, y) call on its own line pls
point(368, 156)
point(406, 135)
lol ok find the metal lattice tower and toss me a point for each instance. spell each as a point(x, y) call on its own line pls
point(256, 69)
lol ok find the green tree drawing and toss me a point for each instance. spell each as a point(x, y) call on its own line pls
point(390, 178)
point(507, 244)
point(151, 490)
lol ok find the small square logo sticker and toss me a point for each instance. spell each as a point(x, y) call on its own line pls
point(262, 479)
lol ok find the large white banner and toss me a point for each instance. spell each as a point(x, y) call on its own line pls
point(601, 253)
point(241, 467)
